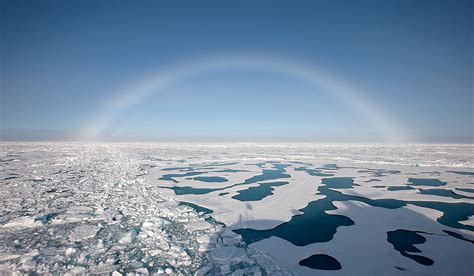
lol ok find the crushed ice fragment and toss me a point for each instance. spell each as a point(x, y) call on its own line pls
point(129, 236)
point(23, 222)
point(83, 232)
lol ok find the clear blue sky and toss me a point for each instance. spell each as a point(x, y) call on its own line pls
point(63, 62)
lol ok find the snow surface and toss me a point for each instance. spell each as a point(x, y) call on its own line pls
point(102, 208)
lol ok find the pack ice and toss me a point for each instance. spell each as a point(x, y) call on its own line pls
point(278, 209)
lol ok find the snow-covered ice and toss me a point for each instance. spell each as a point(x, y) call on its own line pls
point(172, 208)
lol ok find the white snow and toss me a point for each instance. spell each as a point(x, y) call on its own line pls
point(101, 208)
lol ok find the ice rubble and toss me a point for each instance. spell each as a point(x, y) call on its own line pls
point(93, 212)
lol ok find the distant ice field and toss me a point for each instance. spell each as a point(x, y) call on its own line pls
point(278, 209)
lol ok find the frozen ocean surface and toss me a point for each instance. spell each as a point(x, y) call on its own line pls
point(237, 209)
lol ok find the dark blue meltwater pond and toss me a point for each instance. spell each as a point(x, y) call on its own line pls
point(462, 173)
point(426, 182)
point(339, 182)
point(400, 188)
point(404, 242)
point(313, 172)
point(197, 208)
point(267, 174)
point(210, 179)
point(257, 193)
point(316, 225)
point(171, 177)
point(321, 262)
point(313, 225)
point(443, 193)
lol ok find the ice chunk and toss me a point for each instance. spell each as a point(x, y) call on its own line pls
point(80, 210)
point(230, 238)
point(83, 232)
point(227, 254)
point(154, 223)
point(70, 251)
point(23, 222)
point(128, 237)
point(469, 221)
point(198, 225)
point(142, 271)
point(104, 269)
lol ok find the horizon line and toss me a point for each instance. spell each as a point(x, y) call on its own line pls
point(235, 142)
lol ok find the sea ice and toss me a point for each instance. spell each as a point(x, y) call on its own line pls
point(70, 208)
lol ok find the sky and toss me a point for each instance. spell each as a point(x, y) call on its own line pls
point(306, 71)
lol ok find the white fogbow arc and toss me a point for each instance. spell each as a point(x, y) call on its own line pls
point(158, 82)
